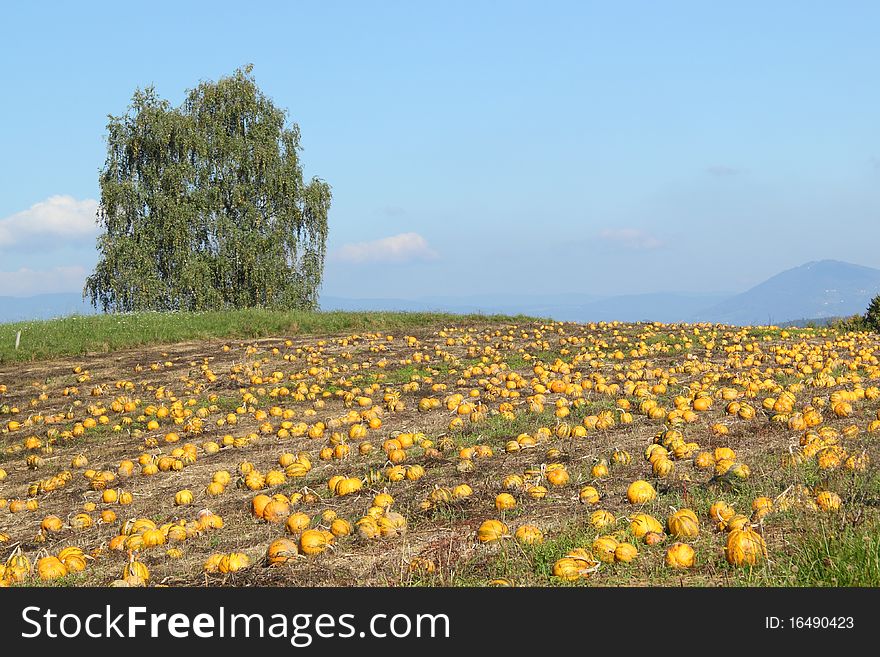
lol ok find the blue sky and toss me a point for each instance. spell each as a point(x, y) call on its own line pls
point(480, 147)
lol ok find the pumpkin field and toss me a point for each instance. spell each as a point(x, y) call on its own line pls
point(472, 453)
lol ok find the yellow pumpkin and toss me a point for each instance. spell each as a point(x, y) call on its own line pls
point(603, 548)
point(183, 497)
point(589, 495)
point(297, 523)
point(704, 461)
point(642, 524)
point(136, 569)
point(680, 555)
point(340, 527)
point(281, 551)
point(528, 535)
point(52, 524)
point(625, 552)
point(601, 519)
point(258, 504)
point(461, 492)
point(233, 562)
point(640, 492)
point(557, 477)
point(49, 568)
point(212, 563)
point(721, 511)
point(828, 500)
point(153, 537)
point(745, 547)
point(348, 485)
point(367, 528)
point(683, 524)
point(505, 502)
point(492, 530)
point(276, 511)
point(537, 492)
point(383, 500)
point(313, 541)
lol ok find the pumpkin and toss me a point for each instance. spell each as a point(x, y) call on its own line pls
point(601, 519)
point(512, 482)
point(209, 520)
point(183, 497)
point(340, 527)
point(348, 485)
point(420, 564)
point(312, 542)
point(704, 461)
point(557, 477)
point(680, 555)
point(73, 559)
point(136, 569)
point(391, 524)
point(642, 523)
point(275, 478)
point(589, 495)
point(461, 492)
point(640, 492)
point(276, 511)
point(281, 551)
point(721, 511)
point(18, 566)
point(52, 524)
point(415, 472)
point(505, 502)
point(258, 504)
point(367, 528)
point(50, 568)
point(153, 537)
point(233, 562)
point(537, 492)
point(625, 552)
point(603, 548)
point(212, 563)
point(81, 521)
point(528, 535)
point(745, 547)
point(176, 533)
point(828, 501)
point(297, 523)
point(492, 530)
point(683, 524)
point(738, 521)
point(383, 500)
point(663, 467)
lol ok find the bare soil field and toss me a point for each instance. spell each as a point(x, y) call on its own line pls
point(474, 454)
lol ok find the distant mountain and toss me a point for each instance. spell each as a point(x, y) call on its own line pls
point(661, 307)
point(42, 306)
point(819, 290)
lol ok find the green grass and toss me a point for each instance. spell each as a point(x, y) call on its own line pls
point(77, 335)
point(828, 555)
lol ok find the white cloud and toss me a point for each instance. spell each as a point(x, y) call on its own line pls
point(53, 222)
point(26, 282)
point(406, 247)
point(631, 238)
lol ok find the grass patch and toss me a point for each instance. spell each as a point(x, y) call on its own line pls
point(78, 334)
point(828, 555)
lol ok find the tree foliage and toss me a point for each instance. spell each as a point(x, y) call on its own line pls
point(204, 206)
point(872, 316)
